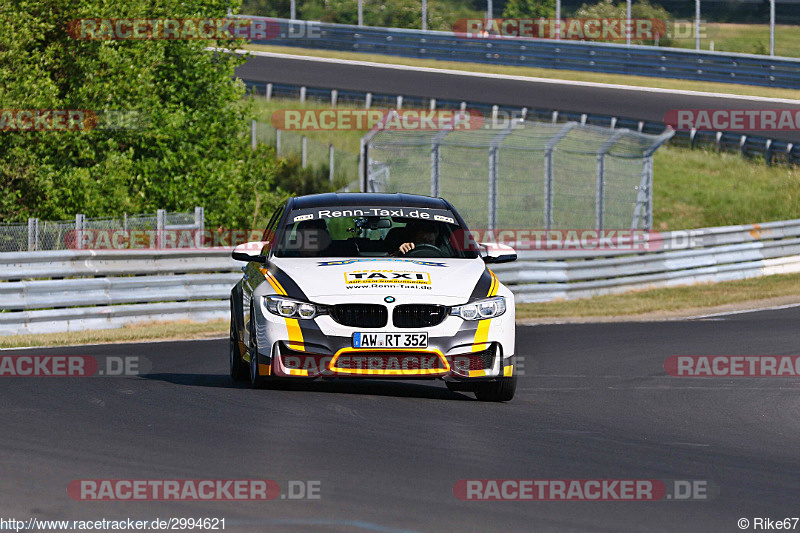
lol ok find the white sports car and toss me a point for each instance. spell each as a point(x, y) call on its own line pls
point(373, 286)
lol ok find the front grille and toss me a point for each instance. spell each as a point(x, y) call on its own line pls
point(360, 315)
point(482, 360)
point(418, 315)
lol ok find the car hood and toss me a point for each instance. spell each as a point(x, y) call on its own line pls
point(332, 280)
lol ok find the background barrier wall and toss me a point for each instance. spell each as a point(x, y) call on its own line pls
point(72, 290)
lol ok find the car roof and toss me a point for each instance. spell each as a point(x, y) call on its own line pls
point(333, 199)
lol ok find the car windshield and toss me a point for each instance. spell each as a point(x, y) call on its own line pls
point(373, 232)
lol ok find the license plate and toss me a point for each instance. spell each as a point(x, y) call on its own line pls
point(390, 340)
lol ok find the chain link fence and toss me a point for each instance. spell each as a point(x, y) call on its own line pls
point(341, 166)
point(37, 235)
point(522, 174)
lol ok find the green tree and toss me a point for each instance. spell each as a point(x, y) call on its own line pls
point(530, 9)
point(642, 9)
point(191, 148)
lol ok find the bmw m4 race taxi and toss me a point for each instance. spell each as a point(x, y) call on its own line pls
point(373, 286)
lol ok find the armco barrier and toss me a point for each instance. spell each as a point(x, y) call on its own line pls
point(73, 290)
point(609, 58)
point(45, 292)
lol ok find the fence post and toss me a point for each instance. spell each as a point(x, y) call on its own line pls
point(33, 234)
point(278, 143)
point(161, 223)
point(368, 101)
point(399, 104)
point(269, 92)
point(645, 197)
point(303, 151)
point(330, 163)
point(363, 160)
point(200, 219)
point(494, 152)
point(437, 139)
point(80, 225)
point(303, 94)
point(600, 198)
point(334, 97)
point(548, 170)
point(253, 134)
point(433, 104)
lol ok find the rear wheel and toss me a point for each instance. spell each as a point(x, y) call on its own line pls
point(501, 390)
point(237, 366)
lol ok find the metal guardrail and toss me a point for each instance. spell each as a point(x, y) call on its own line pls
point(103, 290)
point(772, 150)
point(73, 290)
point(609, 58)
point(715, 254)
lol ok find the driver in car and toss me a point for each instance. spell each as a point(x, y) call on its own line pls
point(419, 234)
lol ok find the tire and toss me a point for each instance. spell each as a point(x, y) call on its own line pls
point(256, 379)
point(237, 367)
point(501, 390)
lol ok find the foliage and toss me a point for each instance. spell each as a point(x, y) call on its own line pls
point(190, 148)
point(530, 9)
point(641, 9)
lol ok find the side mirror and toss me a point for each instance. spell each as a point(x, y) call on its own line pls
point(250, 251)
point(497, 253)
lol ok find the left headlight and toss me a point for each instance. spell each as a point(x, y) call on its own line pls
point(291, 308)
point(481, 309)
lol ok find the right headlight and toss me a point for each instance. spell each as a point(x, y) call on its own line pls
point(291, 308)
point(481, 309)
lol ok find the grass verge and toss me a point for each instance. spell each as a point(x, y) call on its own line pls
point(690, 297)
point(746, 38)
point(621, 79)
point(133, 333)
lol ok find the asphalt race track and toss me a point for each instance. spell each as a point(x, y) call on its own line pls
point(594, 403)
point(632, 103)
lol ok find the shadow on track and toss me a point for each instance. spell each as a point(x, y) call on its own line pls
point(404, 389)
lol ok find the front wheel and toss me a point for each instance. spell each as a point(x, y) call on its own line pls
point(501, 390)
point(256, 379)
point(237, 367)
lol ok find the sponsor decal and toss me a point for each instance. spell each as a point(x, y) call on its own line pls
point(387, 276)
point(366, 211)
point(351, 261)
